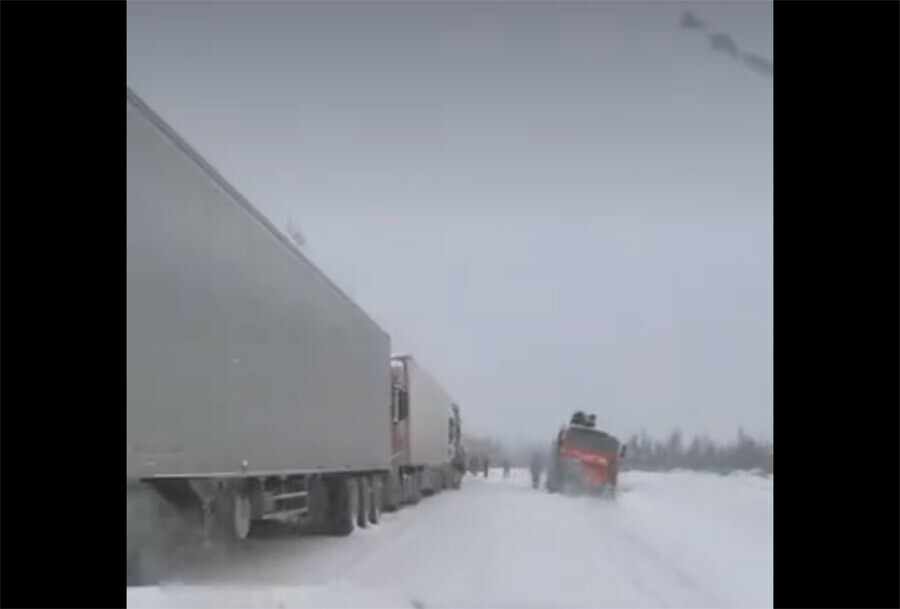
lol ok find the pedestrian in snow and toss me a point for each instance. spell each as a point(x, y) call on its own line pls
point(537, 468)
point(486, 464)
point(506, 469)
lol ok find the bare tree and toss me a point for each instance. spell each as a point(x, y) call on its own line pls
point(744, 453)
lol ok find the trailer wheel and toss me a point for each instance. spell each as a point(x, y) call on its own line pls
point(232, 515)
point(319, 506)
point(455, 479)
point(375, 505)
point(241, 515)
point(392, 493)
point(344, 506)
point(431, 484)
point(415, 489)
point(405, 488)
point(144, 569)
point(365, 502)
point(152, 535)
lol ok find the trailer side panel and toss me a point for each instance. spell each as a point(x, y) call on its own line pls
point(429, 422)
point(241, 354)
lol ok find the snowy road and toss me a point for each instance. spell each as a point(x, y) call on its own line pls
point(669, 540)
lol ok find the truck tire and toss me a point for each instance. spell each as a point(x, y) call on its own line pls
point(144, 568)
point(143, 539)
point(377, 490)
point(231, 515)
point(241, 516)
point(426, 483)
point(405, 488)
point(455, 479)
point(365, 502)
point(436, 481)
point(415, 488)
point(392, 493)
point(343, 506)
point(319, 505)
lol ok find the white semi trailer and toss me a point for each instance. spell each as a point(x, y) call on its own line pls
point(256, 389)
point(427, 452)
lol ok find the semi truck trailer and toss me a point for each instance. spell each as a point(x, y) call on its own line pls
point(426, 439)
point(256, 389)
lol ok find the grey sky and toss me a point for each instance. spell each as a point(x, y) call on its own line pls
point(553, 205)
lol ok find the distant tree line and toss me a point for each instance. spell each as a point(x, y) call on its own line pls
point(648, 454)
point(702, 454)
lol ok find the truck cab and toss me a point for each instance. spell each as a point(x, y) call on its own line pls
point(584, 459)
point(399, 412)
point(426, 435)
point(455, 450)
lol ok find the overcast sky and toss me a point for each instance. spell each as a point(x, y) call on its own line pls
point(553, 206)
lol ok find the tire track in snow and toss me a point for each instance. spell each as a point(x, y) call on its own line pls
point(684, 580)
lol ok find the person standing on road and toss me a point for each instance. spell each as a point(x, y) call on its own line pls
point(537, 468)
point(506, 468)
point(486, 464)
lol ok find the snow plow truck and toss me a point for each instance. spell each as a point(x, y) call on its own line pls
point(584, 459)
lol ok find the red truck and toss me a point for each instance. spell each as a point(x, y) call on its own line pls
point(584, 459)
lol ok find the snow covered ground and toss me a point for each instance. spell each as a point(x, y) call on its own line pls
point(680, 539)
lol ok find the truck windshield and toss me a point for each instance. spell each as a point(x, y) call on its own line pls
point(591, 440)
